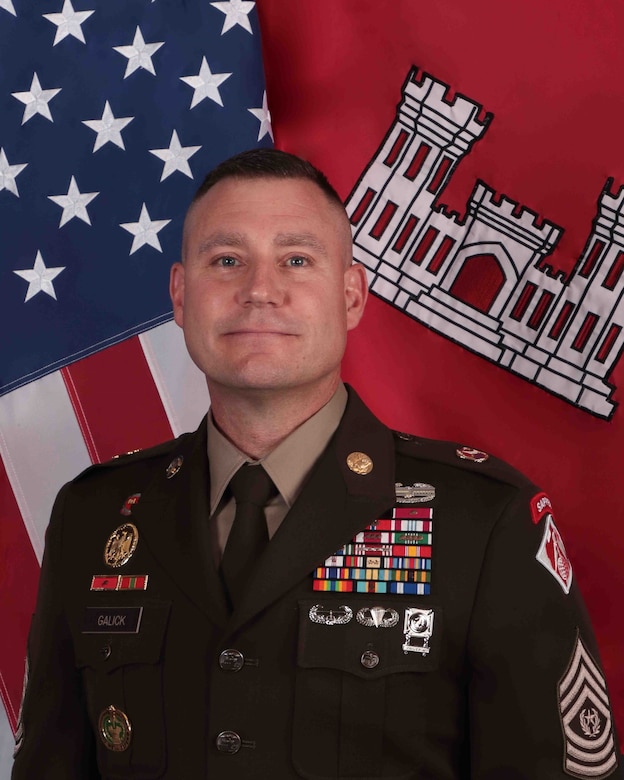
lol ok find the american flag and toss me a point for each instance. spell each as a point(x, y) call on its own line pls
point(110, 115)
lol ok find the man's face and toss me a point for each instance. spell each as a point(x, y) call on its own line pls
point(267, 294)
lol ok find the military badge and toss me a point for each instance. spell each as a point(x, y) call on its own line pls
point(119, 582)
point(377, 617)
point(552, 555)
point(127, 505)
point(540, 506)
point(417, 630)
point(359, 463)
point(121, 545)
point(175, 466)
point(115, 729)
point(418, 493)
point(330, 617)
point(469, 453)
point(586, 720)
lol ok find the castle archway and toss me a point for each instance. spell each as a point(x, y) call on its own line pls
point(479, 282)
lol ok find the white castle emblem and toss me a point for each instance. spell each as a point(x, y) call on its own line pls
point(482, 281)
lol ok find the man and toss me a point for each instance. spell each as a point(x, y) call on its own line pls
point(414, 614)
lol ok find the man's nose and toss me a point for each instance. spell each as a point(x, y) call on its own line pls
point(262, 285)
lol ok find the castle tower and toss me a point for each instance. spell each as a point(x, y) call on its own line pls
point(429, 136)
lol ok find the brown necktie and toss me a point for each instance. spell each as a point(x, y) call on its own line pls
point(251, 487)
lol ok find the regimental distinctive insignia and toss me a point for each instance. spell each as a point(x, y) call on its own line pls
point(417, 629)
point(552, 555)
point(114, 729)
point(330, 617)
point(360, 463)
point(126, 508)
point(377, 617)
point(469, 453)
point(392, 555)
point(119, 582)
point(121, 545)
point(418, 493)
point(586, 720)
point(174, 467)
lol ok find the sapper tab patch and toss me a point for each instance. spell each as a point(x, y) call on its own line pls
point(112, 620)
point(586, 720)
point(540, 506)
point(552, 555)
point(392, 555)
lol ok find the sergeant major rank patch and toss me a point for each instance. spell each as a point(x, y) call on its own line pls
point(586, 720)
point(392, 555)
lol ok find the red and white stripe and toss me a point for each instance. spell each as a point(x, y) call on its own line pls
point(133, 395)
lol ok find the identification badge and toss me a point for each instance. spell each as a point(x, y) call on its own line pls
point(115, 620)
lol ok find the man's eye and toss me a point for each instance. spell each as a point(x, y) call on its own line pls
point(297, 260)
point(226, 261)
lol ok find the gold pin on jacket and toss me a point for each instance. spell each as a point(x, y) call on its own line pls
point(121, 545)
point(115, 729)
point(360, 463)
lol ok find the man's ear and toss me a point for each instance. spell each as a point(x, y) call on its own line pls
point(356, 293)
point(176, 291)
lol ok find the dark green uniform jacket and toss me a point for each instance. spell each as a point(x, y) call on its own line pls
point(508, 684)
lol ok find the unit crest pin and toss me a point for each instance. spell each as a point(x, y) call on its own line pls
point(174, 467)
point(470, 453)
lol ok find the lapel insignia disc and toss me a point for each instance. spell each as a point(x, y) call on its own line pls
point(418, 493)
point(552, 555)
point(360, 463)
point(469, 453)
point(115, 729)
point(330, 617)
point(174, 467)
point(377, 617)
point(121, 545)
point(126, 508)
point(119, 582)
point(417, 629)
point(590, 749)
point(392, 555)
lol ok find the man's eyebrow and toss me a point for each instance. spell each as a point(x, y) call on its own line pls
point(222, 239)
point(308, 240)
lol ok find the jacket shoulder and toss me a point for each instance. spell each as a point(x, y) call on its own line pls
point(460, 456)
point(134, 458)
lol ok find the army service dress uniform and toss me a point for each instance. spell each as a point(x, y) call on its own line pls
point(414, 616)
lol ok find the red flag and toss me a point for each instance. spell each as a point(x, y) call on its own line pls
point(471, 336)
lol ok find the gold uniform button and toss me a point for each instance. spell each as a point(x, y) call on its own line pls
point(115, 729)
point(360, 463)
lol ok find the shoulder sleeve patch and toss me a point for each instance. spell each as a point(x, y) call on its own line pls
point(586, 719)
point(553, 557)
point(540, 506)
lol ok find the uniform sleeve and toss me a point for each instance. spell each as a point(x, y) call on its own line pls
point(538, 702)
point(54, 739)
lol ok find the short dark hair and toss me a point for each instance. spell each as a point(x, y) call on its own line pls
point(267, 164)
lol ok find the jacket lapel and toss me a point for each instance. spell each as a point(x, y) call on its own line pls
point(172, 517)
point(333, 506)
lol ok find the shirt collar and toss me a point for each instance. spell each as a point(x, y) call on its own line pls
point(288, 464)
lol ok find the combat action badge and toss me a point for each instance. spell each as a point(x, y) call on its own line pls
point(121, 545)
point(115, 729)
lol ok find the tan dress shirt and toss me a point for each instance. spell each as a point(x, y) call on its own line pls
point(288, 465)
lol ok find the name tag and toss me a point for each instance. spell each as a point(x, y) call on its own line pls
point(116, 620)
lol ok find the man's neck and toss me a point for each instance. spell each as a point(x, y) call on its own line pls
point(257, 421)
